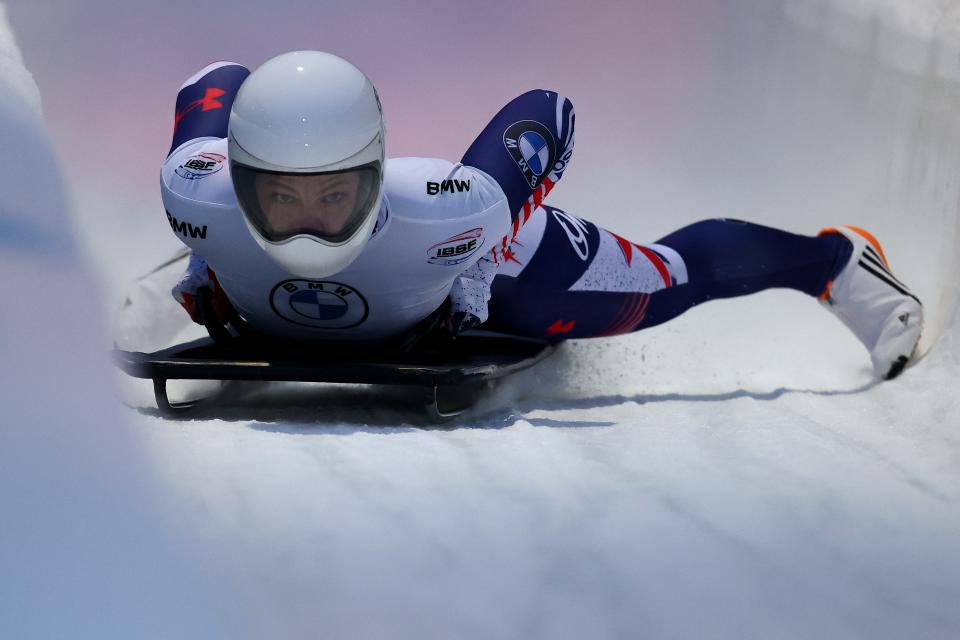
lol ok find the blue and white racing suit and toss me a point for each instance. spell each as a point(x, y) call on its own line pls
point(477, 232)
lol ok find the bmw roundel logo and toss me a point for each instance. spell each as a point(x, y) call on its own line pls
point(320, 304)
point(532, 147)
point(535, 151)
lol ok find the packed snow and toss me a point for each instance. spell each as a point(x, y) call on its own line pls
point(735, 473)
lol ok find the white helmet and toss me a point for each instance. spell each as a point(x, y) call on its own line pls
point(306, 147)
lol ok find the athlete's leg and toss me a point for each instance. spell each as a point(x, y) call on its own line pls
point(730, 258)
point(567, 278)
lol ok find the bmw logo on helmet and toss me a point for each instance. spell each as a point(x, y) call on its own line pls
point(319, 304)
point(532, 147)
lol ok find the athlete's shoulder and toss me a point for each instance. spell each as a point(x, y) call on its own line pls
point(204, 102)
point(198, 172)
point(194, 168)
point(201, 206)
point(431, 188)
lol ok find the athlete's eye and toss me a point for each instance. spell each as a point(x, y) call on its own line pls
point(333, 198)
point(282, 198)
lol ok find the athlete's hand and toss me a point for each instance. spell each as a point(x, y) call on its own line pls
point(455, 323)
point(187, 292)
point(440, 326)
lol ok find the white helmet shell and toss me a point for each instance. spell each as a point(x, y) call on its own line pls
point(308, 112)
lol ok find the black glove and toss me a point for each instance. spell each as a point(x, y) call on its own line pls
point(456, 323)
point(439, 327)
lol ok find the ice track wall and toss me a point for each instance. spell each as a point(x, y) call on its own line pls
point(895, 67)
point(85, 548)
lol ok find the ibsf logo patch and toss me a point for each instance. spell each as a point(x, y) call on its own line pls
point(320, 304)
point(456, 249)
point(532, 147)
point(200, 165)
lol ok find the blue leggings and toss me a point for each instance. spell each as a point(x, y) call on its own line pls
point(721, 259)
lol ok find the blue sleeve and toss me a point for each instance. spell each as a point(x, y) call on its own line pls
point(526, 148)
point(204, 102)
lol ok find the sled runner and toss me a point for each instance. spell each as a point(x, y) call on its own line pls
point(450, 381)
point(451, 377)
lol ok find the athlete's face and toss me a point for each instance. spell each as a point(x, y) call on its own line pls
point(320, 202)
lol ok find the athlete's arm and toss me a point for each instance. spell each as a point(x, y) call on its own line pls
point(526, 148)
point(204, 101)
point(470, 294)
point(202, 113)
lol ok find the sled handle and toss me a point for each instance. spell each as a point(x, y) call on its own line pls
point(217, 331)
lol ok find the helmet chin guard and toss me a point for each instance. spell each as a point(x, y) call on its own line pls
point(310, 257)
point(306, 147)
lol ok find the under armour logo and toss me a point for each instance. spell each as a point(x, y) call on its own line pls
point(560, 326)
point(206, 103)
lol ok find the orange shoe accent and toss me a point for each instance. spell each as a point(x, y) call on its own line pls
point(876, 245)
point(826, 290)
point(863, 232)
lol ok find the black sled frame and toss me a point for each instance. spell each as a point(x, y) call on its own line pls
point(449, 378)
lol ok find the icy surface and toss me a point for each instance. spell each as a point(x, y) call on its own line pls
point(735, 473)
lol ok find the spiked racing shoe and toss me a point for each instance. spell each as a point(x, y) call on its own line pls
point(880, 310)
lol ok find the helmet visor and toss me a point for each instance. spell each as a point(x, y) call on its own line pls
point(329, 205)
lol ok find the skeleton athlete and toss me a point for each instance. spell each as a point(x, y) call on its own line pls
point(278, 182)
